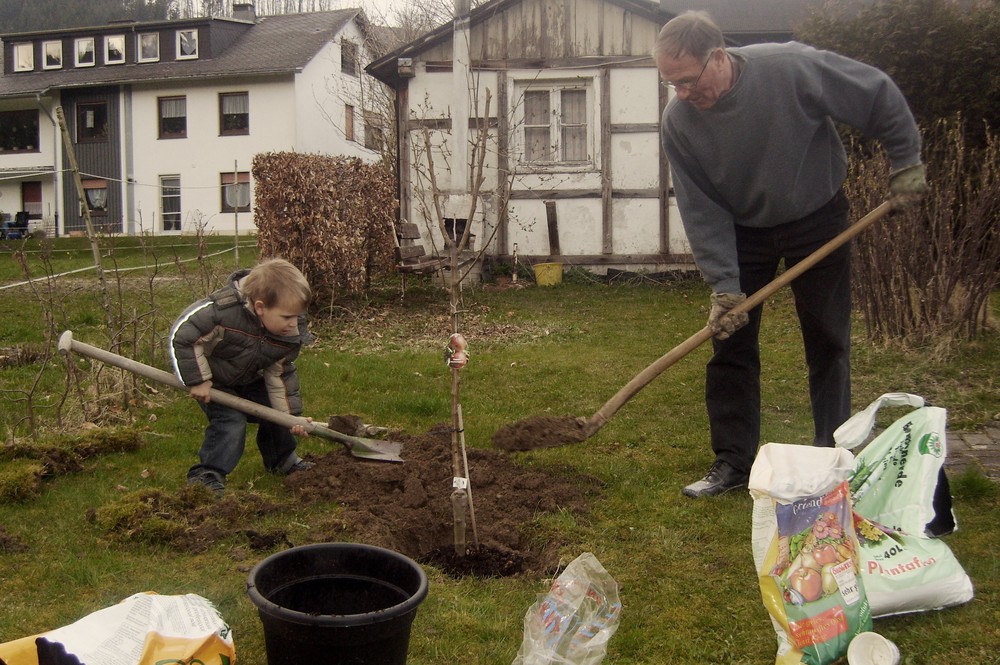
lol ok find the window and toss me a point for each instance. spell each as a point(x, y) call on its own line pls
point(234, 113)
point(374, 135)
point(235, 191)
point(91, 122)
point(348, 57)
point(24, 57)
point(556, 129)
point(31, 198)
point(85, 52)
point(114, 50)
point(149, 47)
point(19, 131)
point(187, 44)
point(96, 191)
point(348, 122)
point(170, 202)
point(173, 117)
point(52, 52)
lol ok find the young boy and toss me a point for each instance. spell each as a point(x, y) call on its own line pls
point(242, 339)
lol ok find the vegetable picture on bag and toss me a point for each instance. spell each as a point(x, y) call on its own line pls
point(817, 566)
point(815, 553)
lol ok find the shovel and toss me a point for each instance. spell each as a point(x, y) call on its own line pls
point(370, 449)
point(548, 432)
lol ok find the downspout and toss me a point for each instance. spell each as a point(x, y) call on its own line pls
point(459, 199)
point(128, 164)
point(460, 92)
point(57, 159)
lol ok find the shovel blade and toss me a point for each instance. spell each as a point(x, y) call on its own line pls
point(370, 449)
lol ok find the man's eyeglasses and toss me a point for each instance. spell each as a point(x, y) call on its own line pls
point(688, 86)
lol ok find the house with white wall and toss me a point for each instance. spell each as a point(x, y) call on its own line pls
point(572, 163)
point(165, 117)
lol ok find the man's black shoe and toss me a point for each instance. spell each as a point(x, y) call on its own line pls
point(720, 479)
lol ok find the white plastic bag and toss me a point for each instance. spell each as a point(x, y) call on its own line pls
point(805, 552)
point(573, 622)
point(143, 628)
point(897, 479)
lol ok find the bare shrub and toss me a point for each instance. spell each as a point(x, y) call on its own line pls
point(330, 216)
point(925, 274)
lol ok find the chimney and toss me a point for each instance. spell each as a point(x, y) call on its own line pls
point(244, 11)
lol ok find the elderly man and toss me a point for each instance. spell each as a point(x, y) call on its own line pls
point(758, 168)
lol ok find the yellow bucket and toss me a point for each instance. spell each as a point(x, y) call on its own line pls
point(548, 274)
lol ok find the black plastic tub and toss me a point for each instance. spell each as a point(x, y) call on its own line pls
point(337, 604)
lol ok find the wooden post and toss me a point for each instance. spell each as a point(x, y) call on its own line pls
point(553, 222)
point(81, 192)
point(85, 207)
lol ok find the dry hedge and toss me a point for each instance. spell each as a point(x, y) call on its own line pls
point(330, 216)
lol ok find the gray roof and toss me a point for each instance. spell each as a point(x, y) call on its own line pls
point(280, 44)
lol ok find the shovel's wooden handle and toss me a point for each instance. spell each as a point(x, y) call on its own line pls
point(596, 421)
point(67, 345)
point(384, 451)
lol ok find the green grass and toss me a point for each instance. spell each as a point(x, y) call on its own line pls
point(685, 568)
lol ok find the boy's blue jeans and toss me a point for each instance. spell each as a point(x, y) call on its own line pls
point(823, 305)
point(225, 436)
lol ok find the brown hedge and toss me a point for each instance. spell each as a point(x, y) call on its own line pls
point(330, 216)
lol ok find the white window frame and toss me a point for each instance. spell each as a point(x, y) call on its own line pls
point(24, 57)
point(193, 32)
point(151, 39)
point(172, 195)
point(53, 48)
point(114, 43)
point(243, 189)
point(78, 50)
point(555, 87)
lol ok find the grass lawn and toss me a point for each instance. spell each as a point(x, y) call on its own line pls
point(684, 567)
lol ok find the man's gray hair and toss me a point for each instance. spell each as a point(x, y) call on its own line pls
point(691, 33)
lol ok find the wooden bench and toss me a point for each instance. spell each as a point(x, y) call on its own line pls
point(412, 258)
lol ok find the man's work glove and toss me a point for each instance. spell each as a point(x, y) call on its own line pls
point(907, 186)
point(720, 321)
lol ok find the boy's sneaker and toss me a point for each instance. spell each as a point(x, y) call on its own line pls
point(210, 479)
point(301, 465)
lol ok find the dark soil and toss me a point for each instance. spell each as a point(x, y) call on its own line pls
point(541, 432)
point(10, 544)
point(407, 507)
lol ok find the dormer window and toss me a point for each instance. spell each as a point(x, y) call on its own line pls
point(52, 54)
point(148, 47)
point(24, 57)
point(85, 52)
point(114, 50)
point(187, 44)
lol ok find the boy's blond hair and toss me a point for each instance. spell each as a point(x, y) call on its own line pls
point(276, 281)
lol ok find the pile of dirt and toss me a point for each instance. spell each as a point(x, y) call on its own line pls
point(407, 507)
point(541, 432)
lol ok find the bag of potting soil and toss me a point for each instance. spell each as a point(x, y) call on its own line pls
point(143, 628)
point(904, 573)
point(806, 552)
point(902, 502)
point(573, 622)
